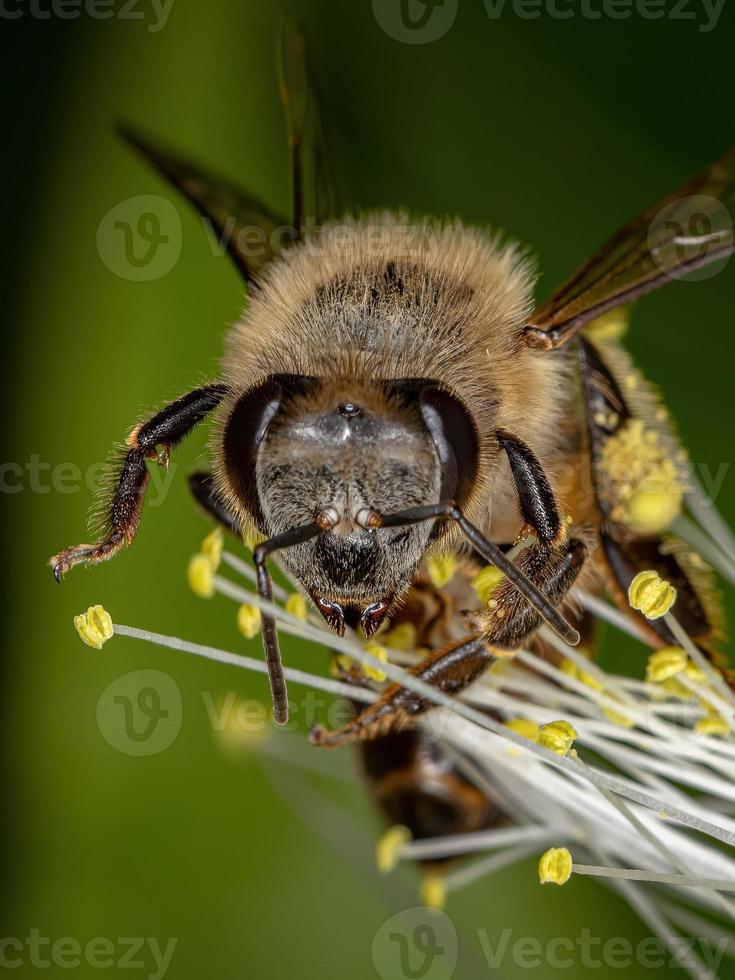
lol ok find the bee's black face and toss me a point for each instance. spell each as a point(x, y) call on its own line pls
point(341, 460)
point(298, 450)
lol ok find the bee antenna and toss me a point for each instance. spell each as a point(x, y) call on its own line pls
point(269, 631)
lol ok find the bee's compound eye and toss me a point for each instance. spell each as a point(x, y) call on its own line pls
point(349, 409)
point(327, 518)
point(368, 519)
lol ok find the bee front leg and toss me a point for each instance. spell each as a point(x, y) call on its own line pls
point(172, 424)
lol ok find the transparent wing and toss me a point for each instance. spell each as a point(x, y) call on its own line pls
point(249, 231)
point(686, 231)
point(313, 195)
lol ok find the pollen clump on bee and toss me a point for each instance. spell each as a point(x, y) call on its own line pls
point(609, 326)
point(651, 594)
point(640, 480)
point(486, 581)
point(442, 568)
point(557, 736)
point(94, 626)
point(248, 620)
point(555, 866)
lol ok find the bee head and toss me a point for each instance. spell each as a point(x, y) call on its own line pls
point(299, 450)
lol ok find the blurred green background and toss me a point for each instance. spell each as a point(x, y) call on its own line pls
point(556, 130)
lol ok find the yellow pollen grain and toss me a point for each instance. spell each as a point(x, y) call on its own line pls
point(442, 568)
point(665, 663)
point(381, 654)
point(712, 724)
point(555, 866)
point(558, 736)
point(651, 595)
point(388, 849)
point(296, 605)
point(248, 620)
point(201, 576)
point(433, 890)
point(212, 547)
point(94, 626)
point(486, 581)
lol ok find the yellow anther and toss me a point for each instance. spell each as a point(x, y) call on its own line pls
point(251, 536)
point(441, 568)
point(555, 866)
point(388, 849)
point(525, 727)
point(695, 673)
point(201, 576)
point(94, 626)
point(617, 719)
point(609, 326)
point(381, 654)
point(590, 680)
point(341, 664)
point(296, 605)
point(665, 663)
point(248, 620)
point(676, 689)
point(402, 637)
point(558, 736)
point(651, 594)
point(212, 547)
point(712, 724)
point(486, 581)
point(434, 890)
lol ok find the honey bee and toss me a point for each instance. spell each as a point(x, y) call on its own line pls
point(391, 390)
